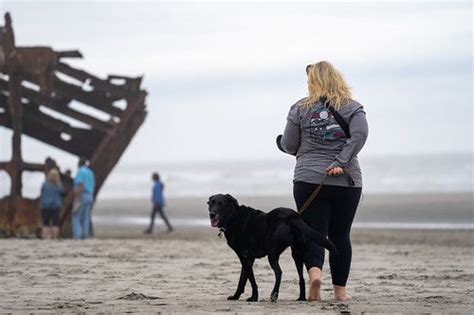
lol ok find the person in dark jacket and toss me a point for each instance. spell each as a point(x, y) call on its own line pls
point(158, 201)
point(326, 155)
point(51, 201)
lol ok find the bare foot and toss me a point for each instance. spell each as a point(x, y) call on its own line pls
point(343, 298)
point(314, 284)
point(45, 233)
point(340, 294)
point(55, 232)
point(314, 290)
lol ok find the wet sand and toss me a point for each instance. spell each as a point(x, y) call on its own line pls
point(403, 208)
point(193, 270)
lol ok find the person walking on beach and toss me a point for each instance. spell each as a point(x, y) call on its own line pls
point(326, 149)
point(51, 201)
point(84, 185)
point(158, 201)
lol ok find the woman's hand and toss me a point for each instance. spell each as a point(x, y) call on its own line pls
point(335, 171)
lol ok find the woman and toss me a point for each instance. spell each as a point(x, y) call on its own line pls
point(325, 155)
point(51, 192)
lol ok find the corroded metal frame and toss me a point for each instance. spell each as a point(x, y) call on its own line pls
point(35, 82)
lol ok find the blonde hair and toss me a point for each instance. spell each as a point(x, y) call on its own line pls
point(53, 177)
point(325, 81)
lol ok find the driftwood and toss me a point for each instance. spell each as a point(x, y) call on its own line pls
point(35, 82)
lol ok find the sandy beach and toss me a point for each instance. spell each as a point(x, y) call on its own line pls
point(172, 274)
point(123, 270)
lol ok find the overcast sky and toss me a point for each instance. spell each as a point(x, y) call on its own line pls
point(221, 77)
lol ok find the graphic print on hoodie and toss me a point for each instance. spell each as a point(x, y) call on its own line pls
point(324, 126)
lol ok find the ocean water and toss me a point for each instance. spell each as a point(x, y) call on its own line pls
point(408, 174)
point(403, 174)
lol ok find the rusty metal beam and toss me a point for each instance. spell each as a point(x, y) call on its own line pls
point(94, 123)
point(61, 105)
point(103, 167)
point(3, 165)
point(69, 54)
point(96, 99)
point(33, 167)
point(16, 113)
point(132, 84)
point(48, 130)
point(116, 91)
point(32, 112)
point(115, 146)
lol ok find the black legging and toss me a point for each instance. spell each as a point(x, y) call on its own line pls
point(331, 214)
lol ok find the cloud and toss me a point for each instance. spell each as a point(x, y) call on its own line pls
point(176, 40)
point(226, 74)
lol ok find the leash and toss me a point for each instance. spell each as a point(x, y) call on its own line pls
point(308, 201)
point(315, 193)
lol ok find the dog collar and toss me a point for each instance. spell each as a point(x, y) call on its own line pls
point(221, 231)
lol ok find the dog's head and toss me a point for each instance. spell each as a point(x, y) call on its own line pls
point(221, 209)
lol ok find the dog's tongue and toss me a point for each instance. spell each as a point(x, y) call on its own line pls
point(214, 222)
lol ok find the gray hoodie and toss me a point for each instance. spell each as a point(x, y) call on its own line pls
point(320, 143)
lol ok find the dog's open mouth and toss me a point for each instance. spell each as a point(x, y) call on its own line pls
point(214, 219)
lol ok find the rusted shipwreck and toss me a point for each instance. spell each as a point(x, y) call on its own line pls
point(41, 96)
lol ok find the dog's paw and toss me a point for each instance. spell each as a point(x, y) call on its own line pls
point(274, 296)
point(252, 299)
point(233, 297)
point(301, 298)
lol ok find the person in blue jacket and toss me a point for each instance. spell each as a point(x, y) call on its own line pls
point(158, 201)
point(84, 187)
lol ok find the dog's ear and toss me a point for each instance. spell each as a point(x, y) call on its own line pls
point(210, 199)
point(234, 201)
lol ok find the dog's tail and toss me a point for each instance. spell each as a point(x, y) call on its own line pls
point(308, 234)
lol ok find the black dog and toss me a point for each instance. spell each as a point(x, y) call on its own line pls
point(254, 234)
